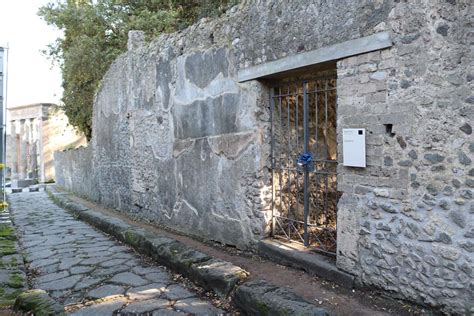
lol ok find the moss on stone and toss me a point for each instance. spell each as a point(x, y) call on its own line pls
point(16, 281)
point(7, 240)
point(6, 302)
point(7, 298)
point(37, 302)
point(13, 262)
point(262, 308)
point(7, 247)
point(13, 295)
point(132, 238)
point(7, 232)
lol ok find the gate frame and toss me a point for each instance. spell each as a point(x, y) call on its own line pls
point(306, 134)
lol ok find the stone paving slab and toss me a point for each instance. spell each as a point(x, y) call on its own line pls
point(211, 273)
point(80, 267)
point(224, 278)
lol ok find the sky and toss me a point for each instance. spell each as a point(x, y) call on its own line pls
point(31, 77)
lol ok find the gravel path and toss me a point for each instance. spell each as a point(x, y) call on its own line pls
point(91, 273)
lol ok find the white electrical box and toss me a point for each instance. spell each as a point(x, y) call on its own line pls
point(353, 147)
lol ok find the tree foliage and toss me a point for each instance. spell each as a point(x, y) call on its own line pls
point(95, 33)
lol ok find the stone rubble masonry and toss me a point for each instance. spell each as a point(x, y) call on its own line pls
point(404, 221)
point(217, 275)
point(179, 142)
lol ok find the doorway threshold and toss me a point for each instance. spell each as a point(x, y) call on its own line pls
point(296, 255)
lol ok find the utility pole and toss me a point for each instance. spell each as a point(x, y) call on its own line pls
point(3, 121)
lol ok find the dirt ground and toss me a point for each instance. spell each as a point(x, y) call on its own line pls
point(8, 312)
point(338, 300)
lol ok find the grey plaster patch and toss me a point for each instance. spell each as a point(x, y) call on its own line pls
point(202, 68)
point(192, 121)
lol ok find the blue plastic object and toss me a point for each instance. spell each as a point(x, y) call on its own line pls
point(304, 159)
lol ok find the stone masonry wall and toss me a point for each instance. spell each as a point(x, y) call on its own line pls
point(179, 142)
point(406, 222)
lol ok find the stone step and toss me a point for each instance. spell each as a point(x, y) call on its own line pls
point(298, 256)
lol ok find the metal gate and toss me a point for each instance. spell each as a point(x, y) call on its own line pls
point(304, 162)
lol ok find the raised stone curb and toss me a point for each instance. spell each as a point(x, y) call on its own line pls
point(311, 262)
point(212, 274)
point(261, 298)
point(224, 278)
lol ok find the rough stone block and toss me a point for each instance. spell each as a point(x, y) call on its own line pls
point(219, 275)
point(261, 298)
point(300, 257)
point(37, 302)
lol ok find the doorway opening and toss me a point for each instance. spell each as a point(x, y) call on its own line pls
point(304, 161)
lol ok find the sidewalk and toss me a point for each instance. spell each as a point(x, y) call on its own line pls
point(90, 273)
point(335, 299)
point(12, 275)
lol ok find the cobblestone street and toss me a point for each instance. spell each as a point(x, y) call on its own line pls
point(89, 272)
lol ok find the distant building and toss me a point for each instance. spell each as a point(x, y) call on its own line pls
point(35, 132)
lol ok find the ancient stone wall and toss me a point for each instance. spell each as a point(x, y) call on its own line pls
point(406, 221)
point(78, 171)
point(179, 142)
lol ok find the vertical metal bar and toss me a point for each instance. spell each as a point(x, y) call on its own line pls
point(306, 173)
point(326, 113)
point(296, 118)
point(297, 148)
point(280, 142)
point(317, 146)
point(317, 113)
point(272, 157)
point(289, 149)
